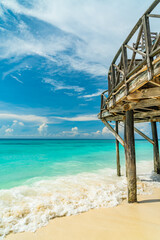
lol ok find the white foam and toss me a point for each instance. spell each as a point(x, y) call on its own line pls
point(27, 208)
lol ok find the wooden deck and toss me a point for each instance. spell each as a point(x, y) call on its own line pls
point(133, 93)
point(134, 83)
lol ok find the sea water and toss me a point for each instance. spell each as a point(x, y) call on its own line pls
point(44, 179)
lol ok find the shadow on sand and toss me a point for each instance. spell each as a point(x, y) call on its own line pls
point(151, 178)
point(149, 201)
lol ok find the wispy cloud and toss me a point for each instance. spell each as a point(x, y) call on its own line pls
point(92, 39)
point(42, 129)
point(80, 118)
point(25, 118)
point(58, 85)
point(17, 79)
point(9, 130)
point(98, 93)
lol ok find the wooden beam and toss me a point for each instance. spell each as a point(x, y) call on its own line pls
point(121, 118)
point(130, 157)
point(155, 52)
point(143, 135)
point(156, 43)
point(135, 50)
point(136, 46)
point(145, 93)
point(136, 105)
point(153, 15)
point(113, 132)
point(125, 66)
point(155, 148)
point(148, 114)
point(118, 69)
point(117, 153)
point(138, 67)
point(153, 5)
point(135, 28)
point(148, 45)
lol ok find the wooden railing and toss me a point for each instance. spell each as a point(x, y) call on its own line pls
point(147, 47)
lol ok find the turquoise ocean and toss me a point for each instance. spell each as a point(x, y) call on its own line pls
point(44, 179)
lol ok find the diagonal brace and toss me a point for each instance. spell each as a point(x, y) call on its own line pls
point(113, 132)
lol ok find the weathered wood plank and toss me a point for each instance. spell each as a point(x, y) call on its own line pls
point(145, 93)
point(135, 84)
point(113, 132)
point(153, 15)
point(143, 135)
point(136, 46)
point(148, 114)
point(125, 67)
point(148, 45)
point(136, 50)
point(136, 105)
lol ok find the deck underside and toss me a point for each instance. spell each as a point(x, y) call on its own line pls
point(143, 97)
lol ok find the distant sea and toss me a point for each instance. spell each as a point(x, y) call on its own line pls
point(44, 179)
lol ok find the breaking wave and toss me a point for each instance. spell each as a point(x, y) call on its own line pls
point(29, 207)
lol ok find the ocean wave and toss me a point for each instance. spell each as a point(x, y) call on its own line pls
point(29, 207)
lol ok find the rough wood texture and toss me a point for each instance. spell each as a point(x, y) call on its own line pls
point(143, 135)
point(134, 92)
point(117, 154)
point(113, 132)
point(130, 157)
point(155, 148)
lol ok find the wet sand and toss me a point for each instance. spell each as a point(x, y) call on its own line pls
point(138, 221)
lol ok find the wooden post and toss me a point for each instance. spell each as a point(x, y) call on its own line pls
point(125, 66)
point(117, 153)
point(130, 157)
point(148, 45)
point(155, 148)
point(125, 148)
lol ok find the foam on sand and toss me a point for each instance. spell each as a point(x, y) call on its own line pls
point(29, 207)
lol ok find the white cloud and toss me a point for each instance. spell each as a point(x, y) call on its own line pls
point(80, 118)
point(144, 127)
point(42, 128)
point(74, 129)
point(97, 133)
point(16, 79)
point(91, 27)
point(105, 131)
point(60, 85)
point(21, 123)
point(98, 93)
point(25, 118)
point(9, 130)
point(72, 133)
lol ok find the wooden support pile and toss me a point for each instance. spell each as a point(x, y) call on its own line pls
point(134, 94)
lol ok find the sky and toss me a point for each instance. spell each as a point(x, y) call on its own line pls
point(54, 57)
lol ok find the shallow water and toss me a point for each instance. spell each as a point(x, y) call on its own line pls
point(44, 179)
point(23, 160)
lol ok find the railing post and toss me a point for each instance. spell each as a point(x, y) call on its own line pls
point(125, 66)
point(113, 76)
point(109, 83)
point(148, 45)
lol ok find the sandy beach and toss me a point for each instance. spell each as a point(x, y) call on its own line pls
point(140, 221)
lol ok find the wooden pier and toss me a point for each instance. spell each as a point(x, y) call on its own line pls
point(133, 93)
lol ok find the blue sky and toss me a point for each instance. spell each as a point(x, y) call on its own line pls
point(54, 58)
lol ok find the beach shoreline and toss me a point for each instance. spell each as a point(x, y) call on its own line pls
point(138, 221)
